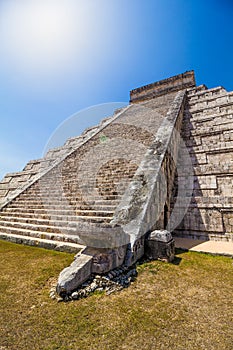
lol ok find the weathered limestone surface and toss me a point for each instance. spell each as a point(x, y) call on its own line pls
point(162, 87)
point(208, 134)
point(43, 243)
point(14, 183)
point(118, 182)
point(75, 274)
point(160, 245)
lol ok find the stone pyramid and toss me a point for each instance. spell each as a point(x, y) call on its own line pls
point(164, 162)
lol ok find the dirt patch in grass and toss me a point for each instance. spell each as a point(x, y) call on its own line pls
point(184, 305)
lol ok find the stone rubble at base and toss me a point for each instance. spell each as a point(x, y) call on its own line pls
point(109, 283)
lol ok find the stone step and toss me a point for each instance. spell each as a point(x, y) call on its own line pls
point(208, 95)
point(62, 237)
point(55, 194)
point(71, 210)
point(196, 90)
point(83, 186)
point(69, 227)
point(33, 227)
point(71, 194)
point(115, 177)
point(109, 181)
point(64, 221)
point(47, 213)
point(208, 202)
point(214, 169)
point(94, 219)
point(211, 148)
point(47, 203)
point(197, 93)
point(58, 220)
point(41, 211)
point(38, 201)
point(209, 110)
point(20, 214)
point(84, 168)
point(78, 184)
point(221, 125)
point(202, 117)
point(211, 129)
point(43, 243)
point(58, 198)
point(78, 187)
point(61, 199)
point(106, 205)
point(205, 236)
point(217, 119)
point(23, 206)
point(102, 213)
point(55, 177)
point(67, 205)
point(207, 143)
point(211, 101)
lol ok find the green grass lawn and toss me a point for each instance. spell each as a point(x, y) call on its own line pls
point(184, 305)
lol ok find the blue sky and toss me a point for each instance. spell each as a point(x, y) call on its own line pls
point(61, 56)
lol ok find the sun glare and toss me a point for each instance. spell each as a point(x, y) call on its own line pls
point(40, 35)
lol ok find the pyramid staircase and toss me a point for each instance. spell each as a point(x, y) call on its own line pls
point(60, 202)
point(103, 189)
point(35, 211)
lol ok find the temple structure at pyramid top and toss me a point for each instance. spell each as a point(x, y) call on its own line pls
point(162, 87)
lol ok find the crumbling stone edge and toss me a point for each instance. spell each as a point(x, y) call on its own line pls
point(78, 281)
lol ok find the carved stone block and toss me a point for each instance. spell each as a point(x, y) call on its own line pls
point(160, 245)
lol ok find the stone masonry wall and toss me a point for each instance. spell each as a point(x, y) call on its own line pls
point(162, 87)
point(208, 133)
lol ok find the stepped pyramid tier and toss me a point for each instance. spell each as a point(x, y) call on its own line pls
point(161, 165)
point(208, 133)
